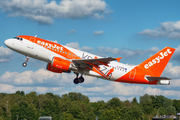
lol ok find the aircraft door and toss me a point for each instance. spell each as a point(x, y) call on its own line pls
point(132, 73)
point(31, 43)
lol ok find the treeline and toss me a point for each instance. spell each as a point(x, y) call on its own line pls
point(75, 106)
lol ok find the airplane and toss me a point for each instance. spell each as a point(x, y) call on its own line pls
point(63, 59)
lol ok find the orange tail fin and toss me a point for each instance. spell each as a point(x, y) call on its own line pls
point(156, 63)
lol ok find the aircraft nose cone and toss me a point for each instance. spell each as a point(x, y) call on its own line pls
point(7, 42)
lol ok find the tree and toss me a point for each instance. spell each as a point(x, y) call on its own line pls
point(76, 111)
point(31, 112)
point(160, 100)
point(134, 101)
point(99, 107)
point(136, 112)
point(110, 115)
point(20, 93)
point(32, 98)
point(76, 96)
point(162, 111)
point(125, 113)
point(146, 103)
point(127, 103)
point(167, 102)
point(171, 110)
point(147, 108)
point(66, 116)
point(15, 111)
point(145, 99)
point(23, 109)
point(176, 104)
point(114, 102)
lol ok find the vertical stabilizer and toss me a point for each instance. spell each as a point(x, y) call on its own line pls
point(156, 63)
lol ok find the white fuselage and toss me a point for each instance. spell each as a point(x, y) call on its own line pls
point(41, 52)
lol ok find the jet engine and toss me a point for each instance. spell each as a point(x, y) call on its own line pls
point(59, 65)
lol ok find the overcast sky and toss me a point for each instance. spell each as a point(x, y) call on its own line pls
point(133, 30)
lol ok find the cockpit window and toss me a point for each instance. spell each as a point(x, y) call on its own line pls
point(18, 38)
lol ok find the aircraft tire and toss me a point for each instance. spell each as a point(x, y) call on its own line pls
point(24, 64)
point(81, 79)
point(76, 81)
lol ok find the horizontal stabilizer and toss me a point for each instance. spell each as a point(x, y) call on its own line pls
point(157, 78)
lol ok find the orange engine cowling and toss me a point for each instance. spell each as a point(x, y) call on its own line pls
point(59, 65)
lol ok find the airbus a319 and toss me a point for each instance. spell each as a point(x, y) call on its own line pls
point(61, 58)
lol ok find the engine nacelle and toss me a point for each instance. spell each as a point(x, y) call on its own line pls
point(52, 69)
point(163, 82)
point(59, 65)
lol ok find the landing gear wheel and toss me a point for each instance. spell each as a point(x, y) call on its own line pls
point(76, 81)
point(81, 79)
point(24, 64)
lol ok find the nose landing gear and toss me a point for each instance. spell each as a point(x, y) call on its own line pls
point(78, 80)
point(25, 63)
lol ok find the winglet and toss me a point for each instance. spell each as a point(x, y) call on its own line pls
point(118, 59)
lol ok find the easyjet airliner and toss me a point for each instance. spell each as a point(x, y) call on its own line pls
point(61, 58)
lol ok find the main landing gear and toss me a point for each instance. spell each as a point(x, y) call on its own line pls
point(25, 63)
point(78, 80)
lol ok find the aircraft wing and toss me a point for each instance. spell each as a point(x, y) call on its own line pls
point(94, 62)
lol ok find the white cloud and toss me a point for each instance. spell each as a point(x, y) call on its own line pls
point(7, 88)
point(172, 71)
point(5, 54)
point(126, 52)
point(41, 89)
point(126, 98)
point(176, 55)
point(124, 91)
point(43, 11)
point(175, 83)
point(76, 46)
point(87, 49)
point(95, 99)
point(97, 16)
point(71, 31)
point(40, 77)
point(166, 93)
point(168, 29)
point(103, 51)
point(95, 89)
point(73, 45)
point(98, 32)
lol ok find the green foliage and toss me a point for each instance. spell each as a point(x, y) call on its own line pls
point(162, 111)
point(171, 110)
point(167, 102)
point(114, 102)
point(176, 104)
point(20, 93)
point(67, 116)
point(134, 101)
point(75, 106)
point(145, 99)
